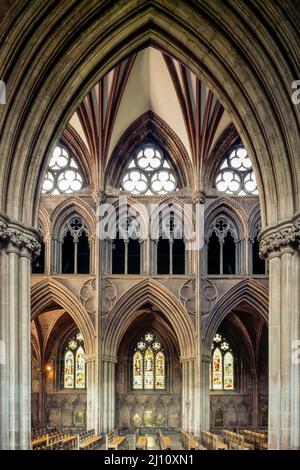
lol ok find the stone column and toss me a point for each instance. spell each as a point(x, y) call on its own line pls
point(205, 393)
point(41, 402)
point(200, 395)
point(280, 245)
point(255, 399)
point(189, 395)
point(91, 386)
point(47, 241)
point(108, 393)
point(17, 244)
point(295, 339)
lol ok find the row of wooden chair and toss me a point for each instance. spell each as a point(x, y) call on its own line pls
point(165, 442)
point(190, 442)
point(257, 439)
point(212, 441)
point(139, 442)
point(236, 441)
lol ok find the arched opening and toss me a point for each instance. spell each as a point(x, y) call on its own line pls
point(213, 255)
point(276, 159)
point(238, 374)
point(59, 383)
point(148, 375)
point(83, 254)
point(68, 254)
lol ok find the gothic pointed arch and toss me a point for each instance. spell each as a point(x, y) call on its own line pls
point(68, 208)
point(149, 127)
point(127, 309)
point(230, 208)
point(249, 292)
point(49, 291)
point(34, 119)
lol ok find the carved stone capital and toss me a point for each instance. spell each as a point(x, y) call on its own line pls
point(284, 235)
point(108, 358)
point(19, 237)
point(198, 197)
point(187, 358)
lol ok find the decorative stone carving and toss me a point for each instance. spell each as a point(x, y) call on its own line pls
point(99, 197)
point(209, 296)
point(279, 237)
point(198, 197)
point(21, 237)
point(87, 295)
point(110, 296)
point(187, 296)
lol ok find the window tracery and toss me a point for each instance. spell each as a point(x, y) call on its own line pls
point(74, 374)
point(149, 173)
point(148, 364)
point(236, 176)
point(63, 175)
point(221, 371)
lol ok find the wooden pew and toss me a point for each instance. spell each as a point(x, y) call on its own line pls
point(212, 441)
point(40, 441)
point(114, 441)
point(165, 442)
point(140, 442)
point(234, 439)
point(190, 442)
point(89, 440)
point(258, 439)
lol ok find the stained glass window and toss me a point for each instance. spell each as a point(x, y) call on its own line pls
point(63, 175)
point(235, 175)
point(217, 369)
point(74, 374)
point(149, 173)
point(148, 364)
point(138, 371)
point(149, 369)
point(69, 370)
point(221, 371)
point(160, 371)
point(228, 371)
point(80, 368)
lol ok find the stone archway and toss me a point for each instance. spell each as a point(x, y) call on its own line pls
point(47, 78)
point(148, 408)
point(129, 311)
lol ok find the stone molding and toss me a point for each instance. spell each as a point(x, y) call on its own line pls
point(19, 236)
point(187, 358)
point(108, 358)
point(198, 197)
point(284, 235)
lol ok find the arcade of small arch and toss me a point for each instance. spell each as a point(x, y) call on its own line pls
point(194, 117)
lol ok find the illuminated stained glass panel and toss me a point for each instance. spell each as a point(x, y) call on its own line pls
point(149, 369)
point(228, 371)
point(138, 371)
point(80, 368)
point(69, 370)
point(160, 371)
point(148, 364)
point(217, 370)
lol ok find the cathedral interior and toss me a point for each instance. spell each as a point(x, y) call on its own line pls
point(149, 225)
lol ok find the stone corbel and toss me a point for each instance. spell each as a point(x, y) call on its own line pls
point(198, 197)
